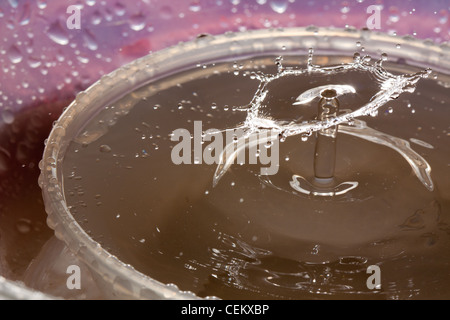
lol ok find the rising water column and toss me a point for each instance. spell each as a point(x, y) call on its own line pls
point(325, 151)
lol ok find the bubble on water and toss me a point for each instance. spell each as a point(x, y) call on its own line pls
point(279, 6)
point(58, 33)
point(90, 2)
point(104, 148)
point(261, 2)
point(14, 54)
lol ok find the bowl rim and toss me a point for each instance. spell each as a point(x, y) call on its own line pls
point(124, 279)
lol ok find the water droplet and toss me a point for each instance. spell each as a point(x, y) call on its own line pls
point(166, 12)
point(119, 9)
point(90, 40)
point(398, 45)
point(279, 6)
point(13, 3)
point(105, 148)
point(23, 226)
point(58, 34)
point(137, 22)
point(195, 6)
point(394, 18)
point(345, 10)
point(7, 116)
point(14, 54)
point(25, 15)
point(261, 2)
point(42, 4)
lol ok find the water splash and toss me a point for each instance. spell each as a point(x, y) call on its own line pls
point(389, 87)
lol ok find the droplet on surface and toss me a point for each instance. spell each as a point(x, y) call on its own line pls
point(23, 226)
point(137, 22)
point(90, 40)
point(42, 4)
point(105, 148)
point(58, 34)
point(7, 116)
point(279, 6)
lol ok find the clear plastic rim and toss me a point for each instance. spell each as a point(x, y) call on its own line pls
point(10, 290)
point(123, 279)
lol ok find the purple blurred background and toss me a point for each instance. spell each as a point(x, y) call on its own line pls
point(42, 59)
point(44, 65)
